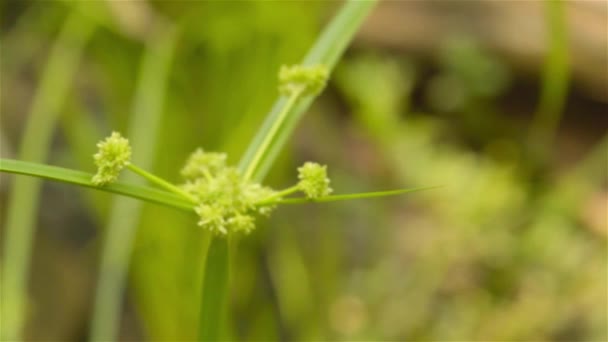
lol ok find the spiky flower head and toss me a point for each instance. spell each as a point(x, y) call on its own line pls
point(309, 80)
point(313, 180)
point(201, 163)
point(226, 203)
point(113, 154)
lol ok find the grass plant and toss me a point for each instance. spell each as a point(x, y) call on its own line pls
point(241, 243)
point(298, 86)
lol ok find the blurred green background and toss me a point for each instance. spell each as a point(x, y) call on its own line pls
point(507, 112)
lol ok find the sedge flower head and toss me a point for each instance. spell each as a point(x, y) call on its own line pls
point(114, 153)
point(200, 163)
point(313, 180)
point(225, 202)
point(307, 80)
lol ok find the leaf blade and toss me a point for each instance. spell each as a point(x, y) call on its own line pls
point(355, 196)
point(79, 178)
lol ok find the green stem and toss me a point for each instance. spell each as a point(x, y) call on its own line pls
point(280, 194)
point(161, 182)
point(291, 101)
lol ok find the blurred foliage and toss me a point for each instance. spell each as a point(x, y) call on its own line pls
point(495, 254)
point(485, 257)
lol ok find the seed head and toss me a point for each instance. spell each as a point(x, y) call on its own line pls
point(200, 162)
point(310, 80)
point(114, 153)
point(313, 180)
point(226, 203)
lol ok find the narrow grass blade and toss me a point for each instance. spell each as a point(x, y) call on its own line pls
point(347, 197)
point(327, 50)
point(83, 179)
point(24, 197)
point(125, 212)
point(556, 75)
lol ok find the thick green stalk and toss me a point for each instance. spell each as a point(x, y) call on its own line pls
point(215, 292)
point(23, 201)
point(125, 212)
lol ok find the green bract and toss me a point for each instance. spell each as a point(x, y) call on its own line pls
point(302, 80)
point(313, 180)
point(225, 201)
point(113, 155)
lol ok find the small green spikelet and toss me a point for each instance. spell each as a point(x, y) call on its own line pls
point(313, 180)
point(226, 203)
point(305, 80)
point(200, 163)
point(114, 153)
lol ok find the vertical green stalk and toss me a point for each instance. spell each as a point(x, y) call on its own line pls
point(215, 293)
point(555, 77)
point(23, 201)
point(125, 212)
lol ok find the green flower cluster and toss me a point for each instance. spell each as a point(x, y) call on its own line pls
point(114, 153)
point(225, 201)
point(313, 180)
point(302, 80)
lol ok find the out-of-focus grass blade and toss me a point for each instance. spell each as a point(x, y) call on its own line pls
point(327, 50)
point(23, 201)
point(80, 178)
point(125, 212)
point(556, 74)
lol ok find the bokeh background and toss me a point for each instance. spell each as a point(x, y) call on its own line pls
point(503, 103)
